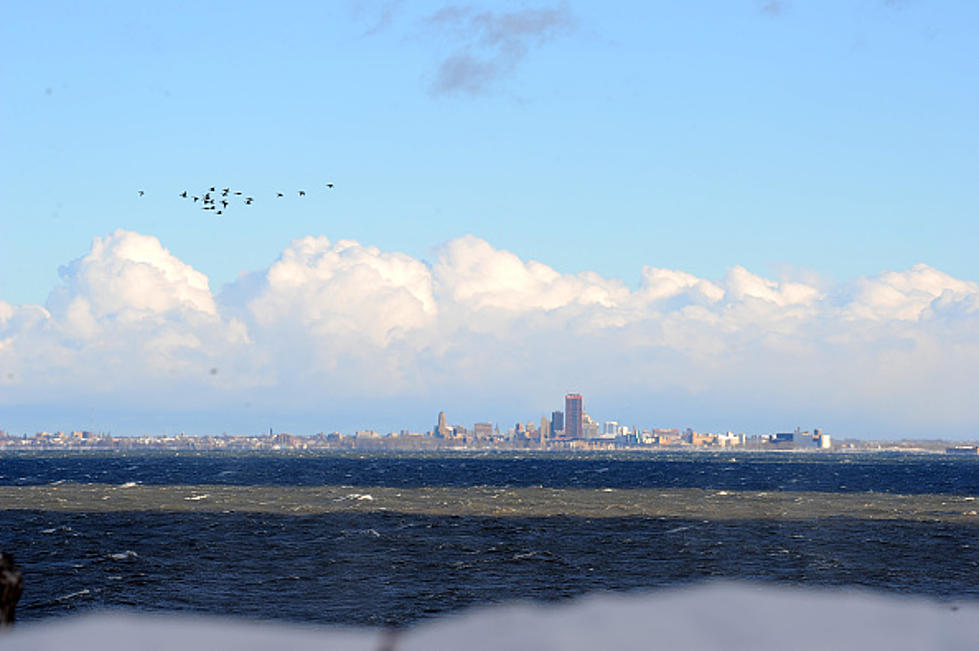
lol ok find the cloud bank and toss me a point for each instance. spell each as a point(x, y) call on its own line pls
point(338, 323)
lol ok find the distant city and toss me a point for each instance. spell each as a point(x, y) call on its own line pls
point(569, 430)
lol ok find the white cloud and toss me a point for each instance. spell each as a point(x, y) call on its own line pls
point(662, 284)
point(340, 319)
point(908, 295)
point(129, 276)
point(128, 319)
point(335, 296)
point(743, 285)
point(345, 289)
point(335, 318)
point(472, 273)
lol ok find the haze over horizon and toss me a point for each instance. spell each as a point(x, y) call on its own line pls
point(749, 217)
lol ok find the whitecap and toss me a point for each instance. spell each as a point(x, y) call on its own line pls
point(197, 498)
point(63, 527)
point(124, 556)
point(356, 496)
point(72, 595)
point(129, 484)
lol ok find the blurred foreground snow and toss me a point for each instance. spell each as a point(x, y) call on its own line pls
point(715, 616)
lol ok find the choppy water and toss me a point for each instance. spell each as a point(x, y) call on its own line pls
point(882, 473)
point(390, 539)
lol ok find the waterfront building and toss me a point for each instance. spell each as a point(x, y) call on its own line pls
point(729, 439)
point(800, 439)
point(821, 439)
point(971, 450)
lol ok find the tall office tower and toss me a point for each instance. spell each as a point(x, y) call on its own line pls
point(574, 416)
point(442, 430)
point(557, 421)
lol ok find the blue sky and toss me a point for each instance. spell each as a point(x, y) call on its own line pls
point(818, 142)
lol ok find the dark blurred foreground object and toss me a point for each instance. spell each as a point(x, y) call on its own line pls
point(11, 584)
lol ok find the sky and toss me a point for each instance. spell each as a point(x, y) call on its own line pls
point(741, 215)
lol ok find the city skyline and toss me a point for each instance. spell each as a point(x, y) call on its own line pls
point(733, 217)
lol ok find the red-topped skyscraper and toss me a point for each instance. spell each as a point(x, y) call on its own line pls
point(573, 414)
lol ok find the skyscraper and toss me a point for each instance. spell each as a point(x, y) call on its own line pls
point(442, 430)
point(573, 416)
point(557, 421)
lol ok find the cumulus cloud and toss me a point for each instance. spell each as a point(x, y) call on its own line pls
point(128, 314)
point(127, 276)
point(333, 322)
point(665, 284)
point(744, 285)
point(345, 289)
point(333, 312)
point(488, 45)
point(471, 272)
point(908, 295)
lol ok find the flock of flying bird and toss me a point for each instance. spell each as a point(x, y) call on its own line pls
point(213, 197)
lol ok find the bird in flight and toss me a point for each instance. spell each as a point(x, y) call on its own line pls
point(141, 193)
point(211, 200)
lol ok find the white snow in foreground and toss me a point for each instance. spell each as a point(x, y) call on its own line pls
point(717, 616)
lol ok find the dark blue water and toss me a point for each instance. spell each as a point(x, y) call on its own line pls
point(883, 473)
point(391, 568)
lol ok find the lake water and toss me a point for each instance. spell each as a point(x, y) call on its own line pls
point(388, 539)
